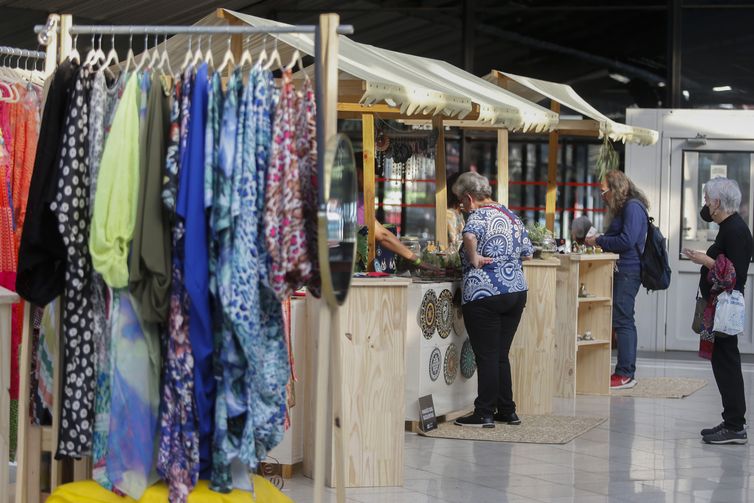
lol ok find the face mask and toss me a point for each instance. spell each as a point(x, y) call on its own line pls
point(706, 214)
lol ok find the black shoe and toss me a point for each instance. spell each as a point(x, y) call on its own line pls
point(726, 436)
point(476, 421)
point(713, 430)
point(511, 418)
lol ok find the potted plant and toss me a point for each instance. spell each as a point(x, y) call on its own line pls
point(542, 239)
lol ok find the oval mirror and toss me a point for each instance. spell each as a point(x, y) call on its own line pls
point(337, 225)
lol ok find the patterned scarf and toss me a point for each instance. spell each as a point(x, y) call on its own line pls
point(723, 278)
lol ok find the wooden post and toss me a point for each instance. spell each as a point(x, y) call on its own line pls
point(66, 43)
point(7, 300)
point(329, 347)
point(367, 139)
point(502, 166)
point(51, 57)
point(552, 175)
point(441, 196)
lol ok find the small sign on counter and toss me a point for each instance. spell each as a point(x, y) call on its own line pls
point(427, 413)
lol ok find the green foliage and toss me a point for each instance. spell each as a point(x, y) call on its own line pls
point(608, 159)
point(538, 233)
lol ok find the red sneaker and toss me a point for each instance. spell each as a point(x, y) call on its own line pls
point(621, 382)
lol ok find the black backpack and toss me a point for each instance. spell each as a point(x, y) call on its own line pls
point(655, 268)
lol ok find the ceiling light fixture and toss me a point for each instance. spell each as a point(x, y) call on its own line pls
point(620, 78)
point(720, 89)
point(686, 94)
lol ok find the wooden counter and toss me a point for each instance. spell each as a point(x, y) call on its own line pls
point(533, 349)
point(371, 325)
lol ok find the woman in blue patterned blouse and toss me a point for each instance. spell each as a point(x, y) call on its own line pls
point(495, 243)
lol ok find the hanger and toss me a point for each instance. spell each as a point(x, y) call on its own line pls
point(296, 58)
point(275, 56)
point(74, 56)
point(208, 56)
point(189, 54)
point(198, 54)
point(155, 53)
point(111, 58)
point(246, 56)
point(165, 59)
point(227, 59)
point(301, 67)
point(144, 55)
point(130, 58)
point(263, 53)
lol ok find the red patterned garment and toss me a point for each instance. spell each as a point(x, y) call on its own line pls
point(285, 236)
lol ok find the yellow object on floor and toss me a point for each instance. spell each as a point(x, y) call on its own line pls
point(89, 491)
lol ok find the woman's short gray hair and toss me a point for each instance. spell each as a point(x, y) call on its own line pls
point(726, 191)
point(580, 227)
point(473, 184)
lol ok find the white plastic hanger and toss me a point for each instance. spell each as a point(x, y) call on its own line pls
point(165, 59)
point(228, 59)
point(263, 53)
point(208, 56)
point(189, 55)
point(295, 58)
point(91, 56)
point(130, 57)
point(155, 59)
point(111, 58)
point(246, 58)
point(74, 56)
point(144, 55)
point(275, 56)
point(198, 54)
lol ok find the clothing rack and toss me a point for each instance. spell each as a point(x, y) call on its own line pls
point(60, 30)
point(22, 53)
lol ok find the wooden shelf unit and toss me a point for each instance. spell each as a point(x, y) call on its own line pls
point(583, 367)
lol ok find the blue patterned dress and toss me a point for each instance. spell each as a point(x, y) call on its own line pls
point(178, 455)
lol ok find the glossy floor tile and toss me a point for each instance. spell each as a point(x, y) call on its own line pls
point(649, 451)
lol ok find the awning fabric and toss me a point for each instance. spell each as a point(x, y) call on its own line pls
point(411, 83)
point(565, 95)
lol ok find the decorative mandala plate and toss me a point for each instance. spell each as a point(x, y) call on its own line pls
point(450, 369)
point(468, 361)
point(458, 327)
point(435, 363)
point(445, 313)
point(428, 314)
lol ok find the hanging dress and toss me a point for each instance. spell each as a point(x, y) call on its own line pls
point(232, 397)
point(178, 455)
point(285, 233)
point(268, 359)
point(71, 206)
point(42, 255)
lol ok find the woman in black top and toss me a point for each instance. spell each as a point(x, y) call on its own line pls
point(722, 198)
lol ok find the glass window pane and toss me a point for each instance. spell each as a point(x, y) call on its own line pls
point(698, 168)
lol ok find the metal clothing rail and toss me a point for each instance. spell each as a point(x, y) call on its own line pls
point(22, 53)
point(188, 30)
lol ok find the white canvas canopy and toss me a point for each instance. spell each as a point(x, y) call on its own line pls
point(414, 84)
point(564, 94)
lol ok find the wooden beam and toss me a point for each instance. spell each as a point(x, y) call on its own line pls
point(367, 139)
point(502, 166)
point(552, 174)
point(441, 196)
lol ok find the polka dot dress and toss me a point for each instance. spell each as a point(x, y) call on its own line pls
point(71, 206)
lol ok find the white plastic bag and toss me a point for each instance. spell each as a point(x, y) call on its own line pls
point(730, 312)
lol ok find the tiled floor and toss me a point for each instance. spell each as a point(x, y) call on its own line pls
point(649, 451)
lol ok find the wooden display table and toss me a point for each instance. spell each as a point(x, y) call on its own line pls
point(533, 349)
point(7, 299)
point(371, 325)
point(583, 366)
